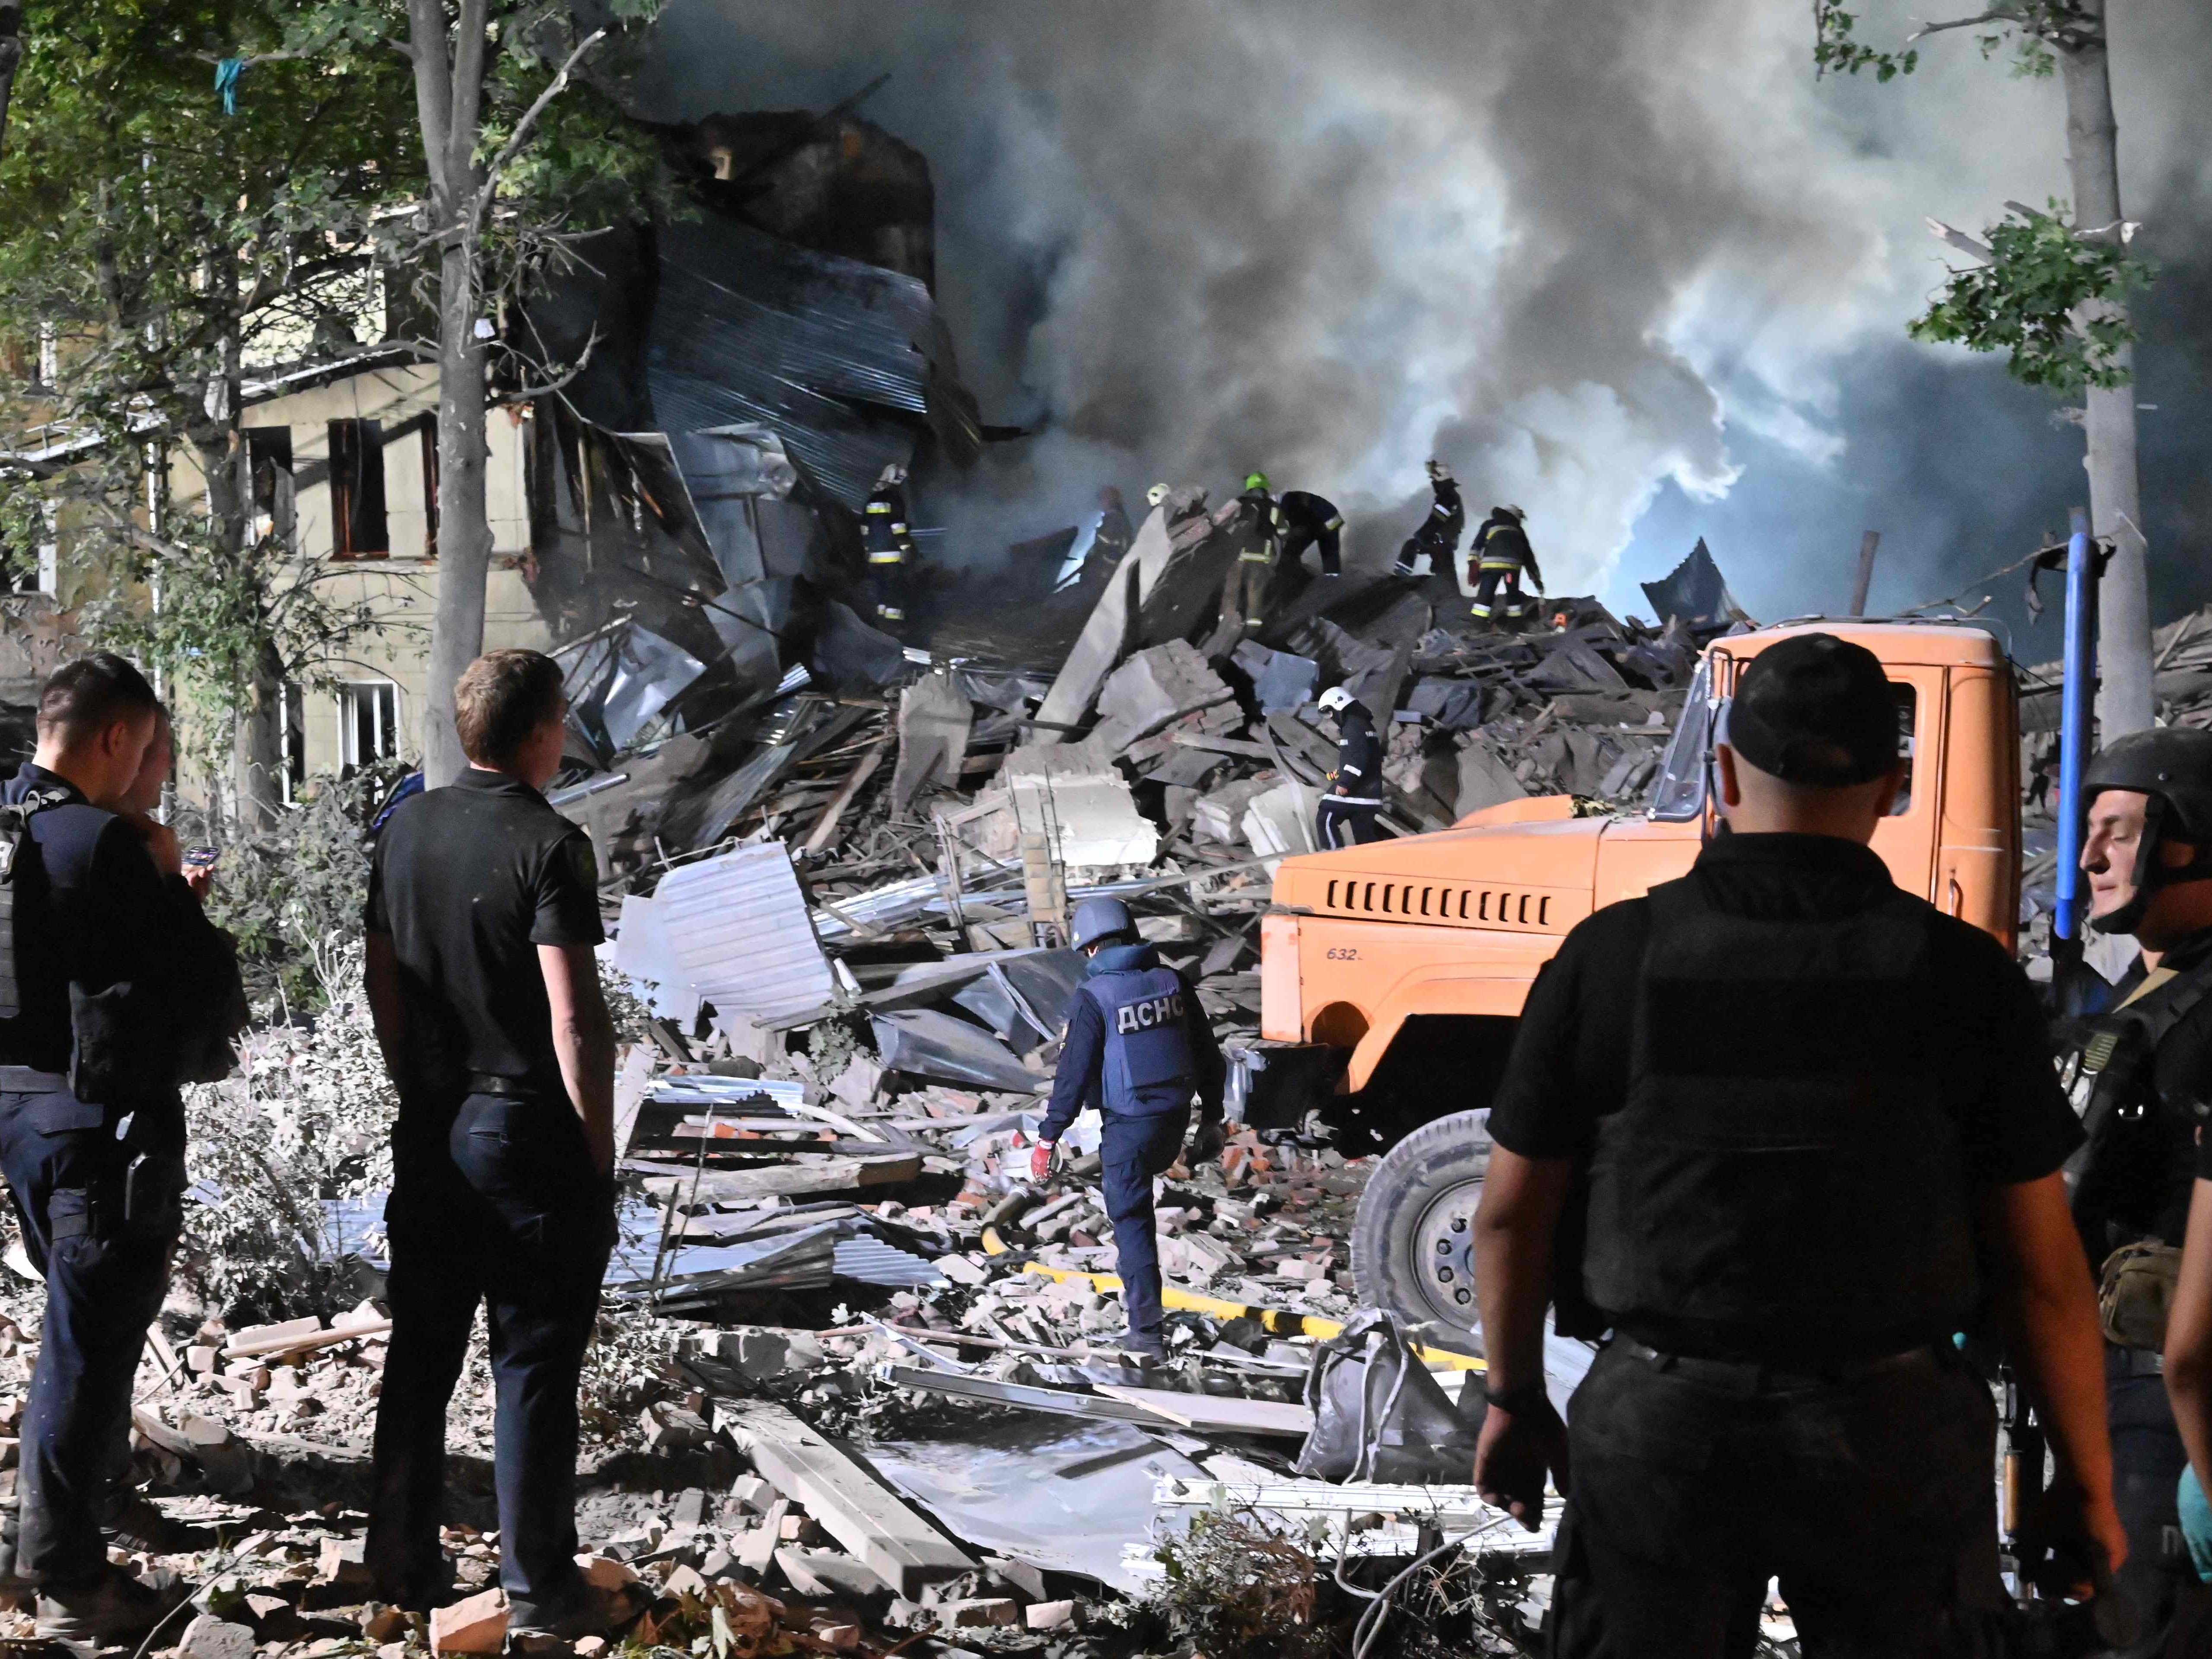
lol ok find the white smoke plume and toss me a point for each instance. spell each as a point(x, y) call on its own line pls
point(1585, 252)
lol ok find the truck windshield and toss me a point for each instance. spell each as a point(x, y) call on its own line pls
point(1679, 793)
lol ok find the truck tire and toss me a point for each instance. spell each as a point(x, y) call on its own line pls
point(1411, 1244)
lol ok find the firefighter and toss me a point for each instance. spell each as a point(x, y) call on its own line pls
point(1500, 554)
point(2140, 1077)
point(1110, 539)
point(1438, 536)
point(1312, 520)
point(889, 542)
point(1259, 527)
point(1810, 1121)
point(1138, 1046)
point(1355, 788)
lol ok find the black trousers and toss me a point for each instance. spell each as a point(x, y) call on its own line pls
point(1338, 825)
point(889, 594)
point(1133, 1150)
point(1329, 540)
point(105, 1276)
point(509, 1211)
point(2147, 1458)
point(1871, 1500)
point(1497, 594)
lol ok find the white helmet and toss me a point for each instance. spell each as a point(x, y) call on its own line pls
point(1438, 470)
point(1156, 494)
point(1336, 699)
point(893, 474)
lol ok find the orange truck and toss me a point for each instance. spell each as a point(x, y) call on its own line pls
point(1399, 968)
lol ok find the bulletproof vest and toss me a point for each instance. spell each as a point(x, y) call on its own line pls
point(1147, 1046)
point(2118, 1181)
point(1785, 1169)
point(15, 863)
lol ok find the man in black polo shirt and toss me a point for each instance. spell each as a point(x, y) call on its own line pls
point(1813, 1123)
point(483, 917)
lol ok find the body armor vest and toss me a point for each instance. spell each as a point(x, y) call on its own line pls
point(1147, 1047)
point(1785, 1169)
point(15, 834)
point(2119, 1179)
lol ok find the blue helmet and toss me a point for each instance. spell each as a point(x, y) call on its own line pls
point(1099, 920)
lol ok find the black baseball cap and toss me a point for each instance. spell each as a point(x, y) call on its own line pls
point(1815, 709)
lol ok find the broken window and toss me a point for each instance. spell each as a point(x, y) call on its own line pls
point(1679, 793)
point(1908, 711)
point(270, 481)
point(358, 529)
point(368, 723)
point(292, 742)
point(428, 435)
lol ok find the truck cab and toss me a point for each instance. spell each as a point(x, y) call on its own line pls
point(1401, 966)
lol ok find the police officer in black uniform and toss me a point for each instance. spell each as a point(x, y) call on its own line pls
point(1438, 536)
point(1137, 1047)
point(1347, 814)
point(889, 539)
point(484, 917)
point(1501, 557)
point(2141, 1075)
point(1807, 1111)
point(112, 988)
point(1311, 520)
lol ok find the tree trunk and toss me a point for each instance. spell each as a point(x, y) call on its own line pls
point(2123, 655)
point(463, 527)
point(448, 95)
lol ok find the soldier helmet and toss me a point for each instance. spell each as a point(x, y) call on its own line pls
point(1256, 481)
point(2171, 765)
point(1336, 699)
point(1100, 921)
point(1156, 494)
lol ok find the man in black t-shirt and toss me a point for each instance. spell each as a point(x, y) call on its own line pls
point(482, 921)
point(1806, 1113)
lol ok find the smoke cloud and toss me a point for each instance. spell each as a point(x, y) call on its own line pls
point(1624, 262)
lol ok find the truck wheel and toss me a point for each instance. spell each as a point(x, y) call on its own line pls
point(1412, 1248)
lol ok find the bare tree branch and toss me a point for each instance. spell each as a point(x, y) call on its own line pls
point(526, 394)
point(2003, 15)
point(521, 136)
point(1959, 240)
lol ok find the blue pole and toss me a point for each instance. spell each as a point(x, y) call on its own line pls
point(2077, 703)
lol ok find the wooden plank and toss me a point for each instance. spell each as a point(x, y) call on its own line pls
point(1206, 1411)
point(832, 1175)
point(875, 1525)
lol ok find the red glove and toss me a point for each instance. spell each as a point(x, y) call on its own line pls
point(1040, 1161)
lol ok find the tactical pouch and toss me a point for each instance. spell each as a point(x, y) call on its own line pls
point(117, 1059)
point(1378, 1415)
point(2135, 1292)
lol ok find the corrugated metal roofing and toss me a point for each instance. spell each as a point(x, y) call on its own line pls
point(833, 356)
point(736, 927)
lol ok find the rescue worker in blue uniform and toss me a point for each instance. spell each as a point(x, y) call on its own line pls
point(114, 989)
point(1311, 520)
point(1346, 816)
point(1501, 556)
point(889, 540)
point(1438, 536)
point(1137, 1047)
point(1809, 1130)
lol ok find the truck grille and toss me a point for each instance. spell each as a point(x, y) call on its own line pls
point(1444, 902)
